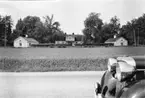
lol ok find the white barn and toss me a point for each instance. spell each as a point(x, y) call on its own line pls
point(24, 42)
point(117, 41)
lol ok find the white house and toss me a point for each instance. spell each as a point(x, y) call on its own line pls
point(70, 38)
point(117, 41)
point(24, 42)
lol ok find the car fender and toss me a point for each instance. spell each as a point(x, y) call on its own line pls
point(136, 90)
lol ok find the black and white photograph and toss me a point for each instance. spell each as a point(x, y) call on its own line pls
point(72, 48)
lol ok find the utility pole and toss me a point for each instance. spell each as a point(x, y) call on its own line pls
point(138, 37)
point(5, 38)
point(134, 37)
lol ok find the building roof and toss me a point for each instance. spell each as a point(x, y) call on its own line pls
point(70, 35)
point(75, 35)
point(111, 40)
point(31, 40)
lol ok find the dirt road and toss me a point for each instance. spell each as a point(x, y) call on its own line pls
point(48, 85)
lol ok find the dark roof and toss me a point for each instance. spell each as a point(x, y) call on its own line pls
point(70, 35)
point(111, 40)
point(31, 40)
point(74, 35)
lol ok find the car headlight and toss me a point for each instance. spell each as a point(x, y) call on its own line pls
point(124, 71)
point(112, 62)
point(138, 62)
point(128, 60)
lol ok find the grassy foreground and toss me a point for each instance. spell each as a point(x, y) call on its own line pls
point(45, 65)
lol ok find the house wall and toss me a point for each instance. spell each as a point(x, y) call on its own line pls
point(79, 42)
point(121, 42)
point(21, 42)
point(60, 42)
point(70, 38)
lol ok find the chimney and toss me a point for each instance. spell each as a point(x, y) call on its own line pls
point(115, 36)
point(26, 35)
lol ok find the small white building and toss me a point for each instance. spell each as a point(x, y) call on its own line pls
point(60, 42)
point(24, 42)
point(117, 41)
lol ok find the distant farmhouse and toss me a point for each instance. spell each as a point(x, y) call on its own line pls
point(25, 42)
point(71, 39)
point(117, 41)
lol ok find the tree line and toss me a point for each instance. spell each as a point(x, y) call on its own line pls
point(45, 32)
point(96, 31)
point(49, 31)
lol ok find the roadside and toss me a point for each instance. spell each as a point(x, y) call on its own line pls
point(62, 73)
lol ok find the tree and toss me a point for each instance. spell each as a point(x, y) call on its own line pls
point(5, 30)
point(139, 29)
point(2, 33)
point(93, 25)
point(53, 31)
point(115, 25)
point(31, 26)
point(110, 29)
point(128, 32)
point(20, 27)
point(45, 32)
point(134, 31)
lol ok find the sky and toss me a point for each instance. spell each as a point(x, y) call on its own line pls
point(72, 13)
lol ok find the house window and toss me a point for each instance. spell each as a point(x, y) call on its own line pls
point(121, 44)
point(20, 43)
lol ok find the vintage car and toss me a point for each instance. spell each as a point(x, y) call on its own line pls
point(125, 78)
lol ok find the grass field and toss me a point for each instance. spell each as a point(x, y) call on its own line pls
point(61, 59)
point(65, 53)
